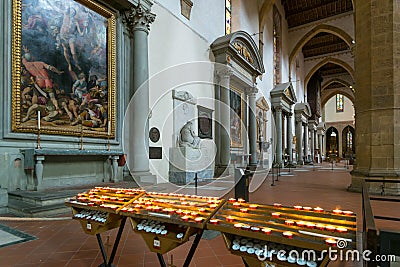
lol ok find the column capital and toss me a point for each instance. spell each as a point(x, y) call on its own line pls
point(252, 90)
point(278, 109)
point(223, 72)
point(138, 19)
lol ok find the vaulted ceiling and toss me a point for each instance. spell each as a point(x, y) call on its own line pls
point(300, 12)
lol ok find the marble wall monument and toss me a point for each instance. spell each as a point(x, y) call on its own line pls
point(190, 155)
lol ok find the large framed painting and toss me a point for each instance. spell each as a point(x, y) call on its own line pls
point(236, 115)
point(63, 68)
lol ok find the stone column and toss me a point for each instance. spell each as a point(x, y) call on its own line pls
point(312, 145)
point(225, 117)
point(306, 142)
point(289, 137)
point(217, 131)
point(321, 145)
point(252, 126)
point(299, 139)
point(377, 75)
point(138, 20)
point(278, 125)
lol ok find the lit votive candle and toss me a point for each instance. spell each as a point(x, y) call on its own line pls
point(232, 200)
point(310, 225)
point(193, 213)
point(337, 211)
point(289, 222)
point(236, 204)
point(185, 218)
point(307, 208)
point(245, 227)
point(241, 200)
point(318, 209)
point(213, 206)
point(287, 234)
point(199, 219)
point(330, 228)
point(230, 219)
point(255, 229)
point(341, 229)
point(347, 212)
point(297, 207)
point(301, 223)
point(244, 210)
point(202, 209)
point(253, 206)
point(276, 214)
point(237, 225)
point(277, 205)
point(179, 211)
point(266, 230)
point(330, 242)
point(184, 203)
point(320, 226)
point(214, 221)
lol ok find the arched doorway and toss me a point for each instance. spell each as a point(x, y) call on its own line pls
point(348, 138)
point(332, 141)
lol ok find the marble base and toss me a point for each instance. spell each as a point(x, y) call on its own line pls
point(184, 177)
point(185, 162)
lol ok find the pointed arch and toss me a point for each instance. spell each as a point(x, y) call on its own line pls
point(346, 92)
point(262, 15)
point(336, 61)
point(320, 28)
point(337, 80)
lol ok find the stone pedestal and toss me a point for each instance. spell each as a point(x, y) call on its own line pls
point(3, 200)
point(185, 162)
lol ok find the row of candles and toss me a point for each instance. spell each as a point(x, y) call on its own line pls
point(238, 203)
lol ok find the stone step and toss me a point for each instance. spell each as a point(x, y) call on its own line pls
point(41, 199)
point(23, 209)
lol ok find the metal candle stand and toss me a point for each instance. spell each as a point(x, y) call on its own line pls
point(81, 139)
point(38, 139)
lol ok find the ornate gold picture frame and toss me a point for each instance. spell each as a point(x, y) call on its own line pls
point(237, 113)
point(63, 68)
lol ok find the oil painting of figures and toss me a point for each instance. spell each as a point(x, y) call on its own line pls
point(64, 67)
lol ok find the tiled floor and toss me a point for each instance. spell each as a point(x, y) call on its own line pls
point(62, 242)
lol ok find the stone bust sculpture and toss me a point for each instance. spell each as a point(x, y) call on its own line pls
point(187, 137)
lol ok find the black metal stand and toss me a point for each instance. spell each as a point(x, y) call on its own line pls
point(115, 247)
point(193, 248)
point(161, 260)
point(195, 183)
point(245, 263)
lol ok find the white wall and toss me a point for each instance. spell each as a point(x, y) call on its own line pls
point(330, 110)
point(207, 18)
point(178, 54)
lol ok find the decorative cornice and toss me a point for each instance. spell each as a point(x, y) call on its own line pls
point(138, 19)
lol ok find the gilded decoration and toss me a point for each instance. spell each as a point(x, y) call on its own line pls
point(244, 51)
point(63, 71)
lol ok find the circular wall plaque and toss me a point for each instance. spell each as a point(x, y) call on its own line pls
point(154, 135)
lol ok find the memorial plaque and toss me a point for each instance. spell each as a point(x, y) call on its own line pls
point(205, 123)
point(155, 152)
point(154, 134)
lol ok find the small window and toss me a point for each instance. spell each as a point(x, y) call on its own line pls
point(339, 103)
point(228, 16)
